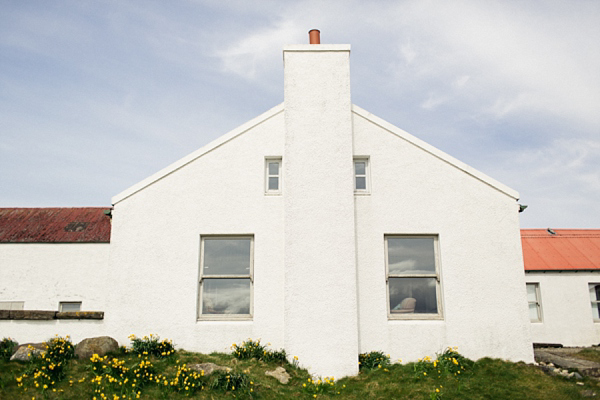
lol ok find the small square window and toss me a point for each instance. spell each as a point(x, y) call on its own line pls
point(11, 305)
point(273, 175)
point(533, 299)
point(225, 285)
point(67, 306)
point(361, 175)
point(595, 300)
point(413, 277)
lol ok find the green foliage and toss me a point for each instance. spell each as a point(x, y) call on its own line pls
point(372, 360)
point(322, 386)
point(250, 349)
point(229, 381)
point(7, 347)
point(152, 346)
point(186, 381)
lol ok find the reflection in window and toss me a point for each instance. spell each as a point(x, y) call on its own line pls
point(533, 299)
point(412, 276)
point(226, 276)
point(595, 299)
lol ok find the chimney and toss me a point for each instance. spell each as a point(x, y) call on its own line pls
point(314, 36)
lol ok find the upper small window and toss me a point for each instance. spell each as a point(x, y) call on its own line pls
point(66, 306)
point(361, 175)
point(533, 298)
point(413, 277)
point(273, 175)
point(11, 305)
point(595, 299)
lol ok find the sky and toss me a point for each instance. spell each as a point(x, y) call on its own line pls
point(95, 96)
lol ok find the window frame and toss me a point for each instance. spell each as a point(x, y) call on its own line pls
point(437, 276)
point(13, 305)
point(366, 175)
point(597, 301)
point(62, 303)
point(537, 302)
point(279, 176)
point(202, 277)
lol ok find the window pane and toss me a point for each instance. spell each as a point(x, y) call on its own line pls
point(411, 256)
point(595, 311)
point(533, 312)
point(531, 292)
point(361, 183)
point(274, 183)
point(5, 305)
point(413, 295)
point(226, 296)
point(71, 306)
point(226, 256)
point(273, 168)
point(594, 292)
point(360, 167)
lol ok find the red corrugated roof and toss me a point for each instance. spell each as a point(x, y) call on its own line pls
point(567, 249)
point(54, 225)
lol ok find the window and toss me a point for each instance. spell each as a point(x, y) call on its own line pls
point(533, 298)
point(11, 305)
point(361, 172)
point(66, 306)
point(272, 175)
point(595, 299)
point(413, 277)
point(226, 277)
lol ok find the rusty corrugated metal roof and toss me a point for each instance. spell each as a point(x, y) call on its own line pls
point(54, 225)
point(565, 249)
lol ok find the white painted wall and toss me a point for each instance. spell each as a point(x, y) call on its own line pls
point(566, 308)
point(482, 277)
point(320, 268)
point(44, 274)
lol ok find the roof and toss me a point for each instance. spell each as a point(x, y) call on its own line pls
point(54, 225)
point(561, 249)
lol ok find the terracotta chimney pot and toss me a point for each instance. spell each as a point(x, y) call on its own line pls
point(314, 36)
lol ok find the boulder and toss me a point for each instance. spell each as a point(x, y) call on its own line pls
point(208, 368)
point(98, 345)
point(280, 374)
point(25, 351)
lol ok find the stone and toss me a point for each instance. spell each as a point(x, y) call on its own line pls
point(98, 345)
point(208, 368)
point(25, 351)
point(80, 315)
point(588, 393)
point(577, 375)
point(280, 374)
point(579, 383)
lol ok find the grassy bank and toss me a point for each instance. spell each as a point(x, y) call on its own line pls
point(146, 373)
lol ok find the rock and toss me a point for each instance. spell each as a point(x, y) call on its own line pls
point(97, 345)
point(550, 365)
point(588, 393)
point(25, 351)
point(208, 368)
point(280, 374)
point(577, 375)
point(579, 383)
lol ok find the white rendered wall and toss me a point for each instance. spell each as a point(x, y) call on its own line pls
point(482, 276)
point(566, 308)
point(156, 243)
point(320, 268)
point(44, 274)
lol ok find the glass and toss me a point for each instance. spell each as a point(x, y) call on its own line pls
point(274, 168)
point(422, 290)
point(273, 183)
point(360, 168)
point(411, 256)
point(66, 307)
point(531, 293)
point(361, 183)
point(534, 314)
point(226, 296)
point(227, 256)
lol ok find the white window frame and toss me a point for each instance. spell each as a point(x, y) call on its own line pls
point(12, 305)
point(537, 302)
point(202, 277)
point(279, 176)
point(592, 302)
point(62, 304)
point(436, 275)
point(366, 175)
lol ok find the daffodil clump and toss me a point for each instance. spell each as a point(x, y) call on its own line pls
point(114, 378)
point(326, 386)
point(7, 346)
point(254, 349)
point(448, 363)
point(373, 360)
point(152, 345)
point(186, 381)
point(224, 381)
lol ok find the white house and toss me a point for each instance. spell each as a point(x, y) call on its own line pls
point(320, 228)
point(563, 285)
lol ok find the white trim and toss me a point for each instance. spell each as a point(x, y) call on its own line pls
point(279, 176)
point(367, 175)
point(316, 47)
point(435, 152)
point(197, 154)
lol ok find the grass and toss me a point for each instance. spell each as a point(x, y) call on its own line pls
point(454, 377)
point(590, 354)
